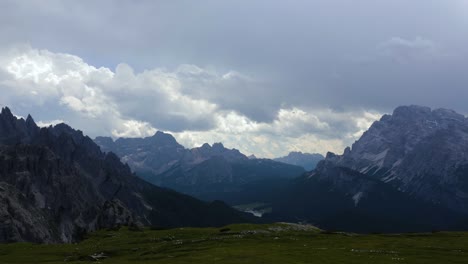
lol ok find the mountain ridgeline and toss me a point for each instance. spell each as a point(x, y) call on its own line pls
point(56, 185)
point(207, 172)
point(408, 172)
point(306, 160)
point(420, 151)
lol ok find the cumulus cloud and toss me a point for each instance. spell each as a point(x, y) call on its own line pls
point(123, 103)
point(227, 55)
point(133, 128)
point(312, 130)
point(48, 123)
point(40, 78)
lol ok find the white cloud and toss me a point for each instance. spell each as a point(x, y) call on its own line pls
point(294, 129)
point(49, 123)
point(187, 102)
point(133, 128)
point(296, 122)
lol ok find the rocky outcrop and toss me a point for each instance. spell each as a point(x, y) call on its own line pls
point(408, 172)
point(417, 150)
point(153, 154)
point(339, 198)
point(56, 185)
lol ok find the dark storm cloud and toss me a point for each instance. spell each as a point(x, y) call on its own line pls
point(253, 58)
point(308, 50)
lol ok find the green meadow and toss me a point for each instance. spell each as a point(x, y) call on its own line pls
point(245, 243)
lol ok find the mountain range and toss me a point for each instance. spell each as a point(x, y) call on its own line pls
point(408, 172)
point(306, 160)
point(207, 172)
point(421, 152)
point(56, 185)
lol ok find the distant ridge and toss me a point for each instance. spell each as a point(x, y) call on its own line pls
point(306, 160)
point(56, 185)
point(208, 172)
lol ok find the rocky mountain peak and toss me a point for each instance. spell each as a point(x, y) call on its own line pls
point(402, 130)
point(218, 146)
point(206, 151)
point(252, 157)
point(423, 116)
point(411, 111)
point(206, 146)
point(417, 149)
point(14, 130)
point(306, 160)
point(162, 138)
point(6, 113)
point(30, 122)
point(442, 113)
point(64, 128)
point(56, 185)
point(7, 119)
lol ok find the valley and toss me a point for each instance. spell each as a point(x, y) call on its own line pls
point(368, 189)
point(262, 132)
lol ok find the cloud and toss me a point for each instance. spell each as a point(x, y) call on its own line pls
point(312, 130)
point(263, 76)
point(49, 123)
point(259, 56)
point(132, 128)
point(40, 77)
point(404, 50)
point(231, 90)
point(123, 103)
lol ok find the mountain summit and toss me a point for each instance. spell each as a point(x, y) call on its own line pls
point(56, 185)
point(420, 151)
point(408, 172)
point(306, 160)
point(208, 172)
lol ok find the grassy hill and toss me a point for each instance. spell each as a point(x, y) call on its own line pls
point(274, 243)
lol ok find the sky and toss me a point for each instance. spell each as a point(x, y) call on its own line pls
point(264, 77)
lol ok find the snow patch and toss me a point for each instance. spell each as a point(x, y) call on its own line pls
point(147, 206)
point(364, 170)
point(255, 213)
point(376, 157)
point(397, 163)
point(357, 197)
point(389, 178)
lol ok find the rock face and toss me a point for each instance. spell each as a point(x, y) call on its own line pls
point(205, 172)
point(420, 151)
point(56, 185)
point(306, 160)
point(152, 154)
point(408, 172)
point(339, 198)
